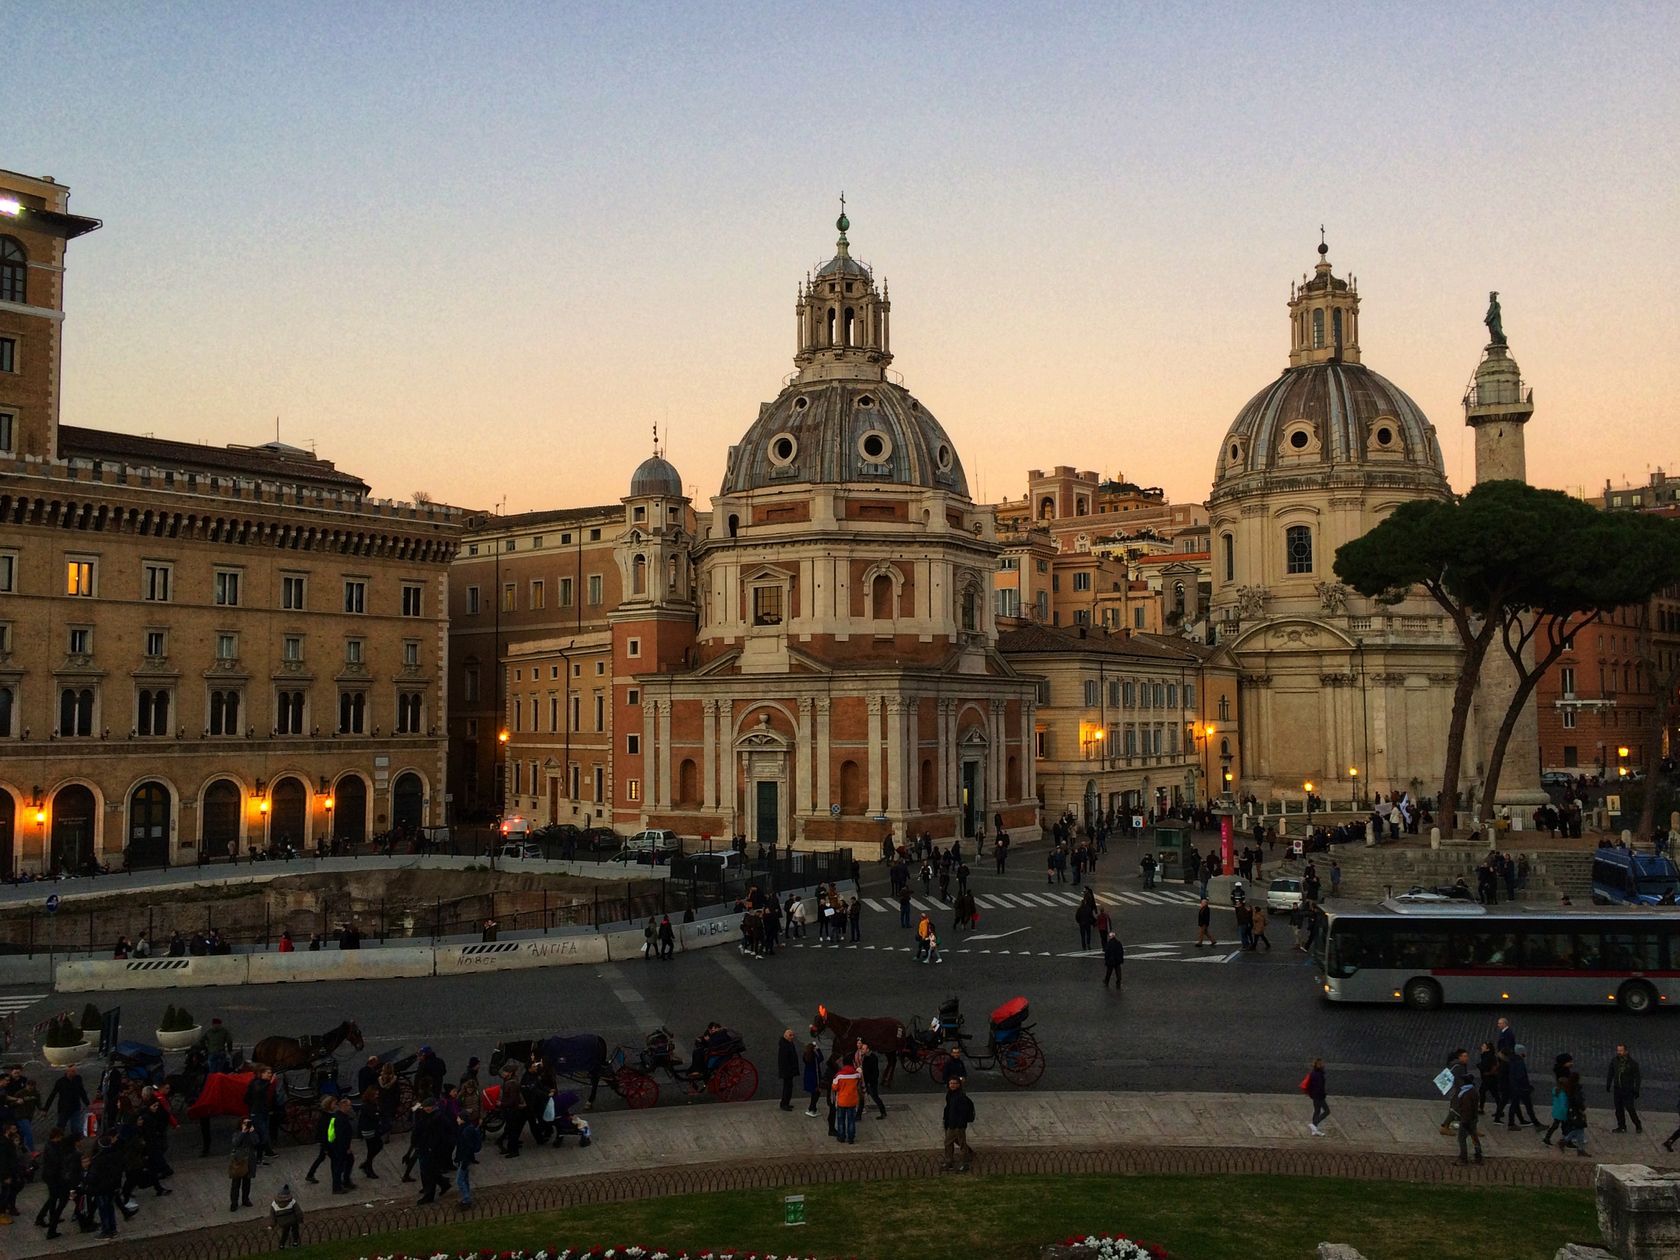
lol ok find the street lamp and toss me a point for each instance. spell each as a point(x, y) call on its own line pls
point(1309, 790)
point(1621, 762)
point(1353, 773)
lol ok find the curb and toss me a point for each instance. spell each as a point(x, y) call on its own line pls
point(339, 1224)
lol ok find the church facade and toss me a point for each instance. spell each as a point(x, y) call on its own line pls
point(814, 661)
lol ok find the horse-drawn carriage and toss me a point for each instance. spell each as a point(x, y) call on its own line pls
point(719, 1066)
point(1010, 1046)
point(582, 1058)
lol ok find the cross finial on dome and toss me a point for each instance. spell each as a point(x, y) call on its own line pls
point(1323, 249)
point(656, 438)
point(843, 223)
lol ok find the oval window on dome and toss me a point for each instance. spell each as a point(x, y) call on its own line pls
point(943, 455)
point(799, 404)
point(866, 401)
point(1236, 451)
point(783, 448)
point(1385, 436)
point(1299, 439)
point(875, 446)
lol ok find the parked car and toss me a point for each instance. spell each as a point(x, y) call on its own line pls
point(520, 850)
point(643, 857)
point(515, 827)
point(714, 866)
point(1556, 778)
point(657, 838)
point(1284, 895)
point(600, 840)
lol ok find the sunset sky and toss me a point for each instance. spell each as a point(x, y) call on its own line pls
point(479, 250)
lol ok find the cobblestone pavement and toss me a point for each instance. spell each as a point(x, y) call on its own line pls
point(676, 1149)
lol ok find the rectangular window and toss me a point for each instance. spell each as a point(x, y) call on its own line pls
point(292, 592)
point(565, 592)
point(633, 647)
point(411, 599)
point(353, 651)
point(600, 711)
point(411, 653)
point(8, 354)
point(632, 789)
point(1566, 677)
point(600, 775)
point(1172, 695)
point(157, 643)
point(1569, 719)
point(518, 784)
point(633, 696)
point(577, 712)
point(1008, 602)
point(8, 432)
point(227, 588)
point(539, 594)
point(472, 601)
point(595, 536)
point(767, 605)
point(600, 669)
point(8, 572)
point(227, 646)
point(633, 745)
point(1041, 744)
point(1081, 616)
point(78, 578)
point(553, 714)
point(1137, 618)
point(1081, 581)
point(291, 647)
point(155, 581)
point(1114, 694)
point(355, 596)
point(1056, 582)
point(1044, 691)
point(1189, 695)
point(469, 685)
point(510, 596)
point(81, 641)
point(1091, 693)
point(1131, 741)
point(594, 590)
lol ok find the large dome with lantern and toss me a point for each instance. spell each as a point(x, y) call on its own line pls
point(842, 418)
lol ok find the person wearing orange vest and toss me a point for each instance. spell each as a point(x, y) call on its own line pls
point(847, 1086)
point(924, 930)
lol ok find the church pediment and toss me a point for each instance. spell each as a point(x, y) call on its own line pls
point(1292, 634)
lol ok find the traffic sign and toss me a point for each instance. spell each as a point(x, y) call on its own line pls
point(52, 903)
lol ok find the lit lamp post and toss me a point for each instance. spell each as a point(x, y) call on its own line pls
point(1308, 787)
point(1353, 773)
point(501, 780)
point(1621, 762)
point(328, 806)
point(262, 812)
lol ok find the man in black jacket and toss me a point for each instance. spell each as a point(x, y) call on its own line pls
point(1622, 1080)
point(69, 1094)
point(870, 1064)
point(104, 1176)
point(436, 1142)
point(1114, 954)
point(787, 1066)
point(959, 1114)
point(61, 1169)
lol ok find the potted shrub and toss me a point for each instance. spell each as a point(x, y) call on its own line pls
point(176, 1030)
point(62, 1043)
point(92, 1020)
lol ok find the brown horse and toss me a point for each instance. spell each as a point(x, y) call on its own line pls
point(285, 1054)
point(883, 1034)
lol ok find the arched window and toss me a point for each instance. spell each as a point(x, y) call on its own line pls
point(1228, 550)
point(154, 713)
point(970, 613)
point(847, 333)
point(851, 788)
point(1336, 329)
point(7, 701)
point(881, 597)
point(75, 711)
point(1318, 329)
point(14, 270)
point(352, 713)
point(688, 782)
point(638, 576)
point(1046, 508)
point(671, 575)
point(224, 713)
point(408, 713)
point(1298, 549)
point(831, 318)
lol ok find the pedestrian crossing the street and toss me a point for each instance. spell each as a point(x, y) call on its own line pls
point(1050, 898)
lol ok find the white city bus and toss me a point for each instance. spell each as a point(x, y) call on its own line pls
point(1426, 951)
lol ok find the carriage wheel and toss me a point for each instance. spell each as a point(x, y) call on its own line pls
point(734, 1081)
point(299, 1120)
point(493, 1122)
point(912, 1061)
point(936, 1068)
point(638, 1089)
point(1021, 1061)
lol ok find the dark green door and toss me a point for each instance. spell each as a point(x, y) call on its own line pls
point(767, 825)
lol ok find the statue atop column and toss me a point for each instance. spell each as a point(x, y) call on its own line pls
point(1495, 326)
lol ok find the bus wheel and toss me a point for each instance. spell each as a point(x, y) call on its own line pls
point(1423, 995)
point(1636, 998)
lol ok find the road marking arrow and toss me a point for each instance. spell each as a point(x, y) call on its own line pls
point(998, 936)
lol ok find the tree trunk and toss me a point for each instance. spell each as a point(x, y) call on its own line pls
point(1475, 650)
point(1662, 712)
point(1496, 760)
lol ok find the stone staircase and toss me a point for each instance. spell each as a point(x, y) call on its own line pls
point(1370, 874)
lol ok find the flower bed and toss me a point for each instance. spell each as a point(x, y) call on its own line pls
point(1090, 1247)
point(1106, 1247)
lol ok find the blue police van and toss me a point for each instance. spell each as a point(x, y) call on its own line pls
point(1620, 878)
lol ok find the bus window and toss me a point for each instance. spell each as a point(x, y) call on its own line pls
point(1632, 951)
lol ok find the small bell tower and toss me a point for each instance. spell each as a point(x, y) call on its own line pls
point(1323, 316)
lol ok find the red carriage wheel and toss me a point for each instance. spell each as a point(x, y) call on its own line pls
point(1021, 1061)
point(638, 1089)
point(911, 1059)
point(936, 1068)
point(734, 1081)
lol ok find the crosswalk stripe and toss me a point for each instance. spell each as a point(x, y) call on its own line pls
point(1042, 899)
point(1113, 899)
point(1020, 899)
point(990, 901)
point(938, 904)
point(876, 905)
point(917, 904)
point(18, 1002)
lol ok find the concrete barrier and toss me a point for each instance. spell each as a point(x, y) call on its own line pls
point(542, 951)
point(153, 973)
point(725, 929)
point(393, 962)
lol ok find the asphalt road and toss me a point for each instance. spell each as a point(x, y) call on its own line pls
point(1189, 1019)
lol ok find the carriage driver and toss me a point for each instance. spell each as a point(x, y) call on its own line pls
point(708, 1048)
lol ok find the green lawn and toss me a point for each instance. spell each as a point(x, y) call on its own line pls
point(1010, 1218)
